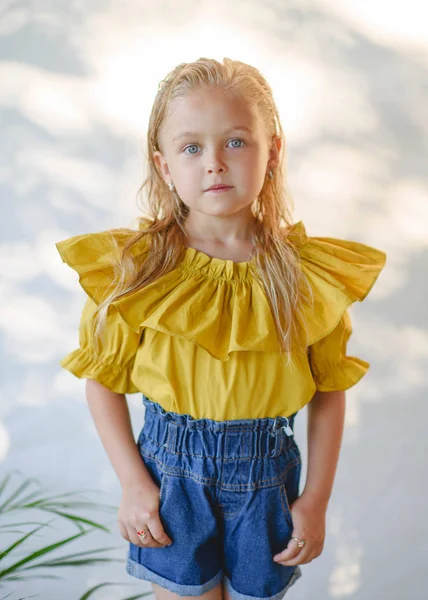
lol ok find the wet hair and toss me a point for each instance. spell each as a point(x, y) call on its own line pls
point(275, 261)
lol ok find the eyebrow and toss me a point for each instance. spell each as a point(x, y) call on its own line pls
point(196, 134)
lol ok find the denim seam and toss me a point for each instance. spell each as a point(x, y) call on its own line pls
point(281, 443)
point(177, 472)
point(164, 482)
point(147, 454)
point(285, 504)
point(168, 437)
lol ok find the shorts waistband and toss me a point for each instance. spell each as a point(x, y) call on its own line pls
point(260, 436)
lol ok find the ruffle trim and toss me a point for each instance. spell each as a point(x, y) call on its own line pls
point(92, 256)
point(340, 273)
point(345, 375)
point(84, 363)
point(216, 303)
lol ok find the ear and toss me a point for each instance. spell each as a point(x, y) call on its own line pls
point(274, 152)
point(162, 165)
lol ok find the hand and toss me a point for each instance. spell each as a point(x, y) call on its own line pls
point(139, 509)
point(308, 517)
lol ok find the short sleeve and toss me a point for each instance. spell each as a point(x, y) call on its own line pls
point(331, 368)
point(111, 364)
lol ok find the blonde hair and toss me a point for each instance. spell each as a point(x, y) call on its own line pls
point(275, 262)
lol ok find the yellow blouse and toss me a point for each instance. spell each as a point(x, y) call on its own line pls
point(201, 339)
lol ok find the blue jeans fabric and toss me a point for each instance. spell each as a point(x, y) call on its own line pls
point(225, 493)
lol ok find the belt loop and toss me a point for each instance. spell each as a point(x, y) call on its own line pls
point(168, 433)
point(171, 428)
point(274, 426)
point(278, 442)
point(287, 429)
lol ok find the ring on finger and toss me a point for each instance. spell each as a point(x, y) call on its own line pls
point(142, 533)
point(300, 543)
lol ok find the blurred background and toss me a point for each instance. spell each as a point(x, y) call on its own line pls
point(77, 81)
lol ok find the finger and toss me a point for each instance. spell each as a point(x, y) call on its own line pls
point(300, 559)
point(145, 542)
point(158, 532)
point(305, 555)
point(124, 532)
point(317, 551)
point(134, 538)
point(290, 552)
point(148, 539)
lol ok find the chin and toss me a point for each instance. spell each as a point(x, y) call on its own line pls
point(217, 207)
point(226, 211)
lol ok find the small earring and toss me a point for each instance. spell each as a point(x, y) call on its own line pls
point(270, 174)
point(171, 186)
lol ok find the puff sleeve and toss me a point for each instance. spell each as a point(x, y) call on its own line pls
point(112, 364)
point(331, 368)
point(340, 272)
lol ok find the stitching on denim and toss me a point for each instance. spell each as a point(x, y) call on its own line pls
point(164, 483)
point(290, 464)
point(167, 443)
point(281, 443)
point(233, 459)
point(173, 440)
point(285, 504)
point(283, 496)
point(240, 487)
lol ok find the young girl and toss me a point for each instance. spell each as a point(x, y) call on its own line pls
point(228, 319)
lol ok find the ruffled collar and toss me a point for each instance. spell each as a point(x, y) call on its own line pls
point(216, 303)
point(200, 263)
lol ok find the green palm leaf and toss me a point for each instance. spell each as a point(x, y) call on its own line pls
point(37, 553)
point(101, 585)
point(62, 505)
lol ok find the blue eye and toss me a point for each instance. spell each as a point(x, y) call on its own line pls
point(196, 145)
point(237, 140)
point(192, 146)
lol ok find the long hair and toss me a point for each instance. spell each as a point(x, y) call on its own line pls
point(275, 261)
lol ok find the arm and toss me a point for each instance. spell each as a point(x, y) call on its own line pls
point(139, 506)
point(326, 415)
point(110, 413)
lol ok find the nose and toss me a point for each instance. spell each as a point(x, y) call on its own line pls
point(216, 164)
point(216, 169)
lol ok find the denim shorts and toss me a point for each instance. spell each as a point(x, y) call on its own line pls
point(225, 493)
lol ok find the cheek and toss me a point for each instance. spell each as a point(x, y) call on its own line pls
point(253, 169)
point(254, 160)
point(187, 179)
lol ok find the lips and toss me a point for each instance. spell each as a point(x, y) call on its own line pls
point(219, 187)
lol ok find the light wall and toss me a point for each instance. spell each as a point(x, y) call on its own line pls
point(350, 80)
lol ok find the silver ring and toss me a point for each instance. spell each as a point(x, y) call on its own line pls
point(300, 543)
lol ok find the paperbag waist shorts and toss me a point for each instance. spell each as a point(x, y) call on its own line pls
point(225, 493)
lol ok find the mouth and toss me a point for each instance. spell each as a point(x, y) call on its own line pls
point(218, 188)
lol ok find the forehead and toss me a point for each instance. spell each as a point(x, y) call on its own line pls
point(208, 112)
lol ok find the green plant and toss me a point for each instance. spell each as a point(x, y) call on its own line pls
point(36, 561)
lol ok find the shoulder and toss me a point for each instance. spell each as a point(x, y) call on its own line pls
point(347, 264)
point(340, 272)
point(94, 255)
